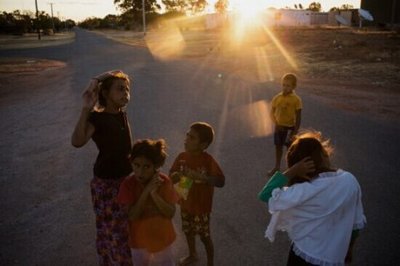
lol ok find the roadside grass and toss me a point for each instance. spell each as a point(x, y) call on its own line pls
point(31, 40)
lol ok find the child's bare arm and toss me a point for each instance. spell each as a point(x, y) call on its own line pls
point(301, 169)
point(84, 129)
point(167, 209)
point(272, 115)
point(136, 209)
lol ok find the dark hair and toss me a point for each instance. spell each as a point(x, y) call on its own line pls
point(205, 131)
point(153, 150)
point(290, 77)
point(309, 144)
point(105, 85)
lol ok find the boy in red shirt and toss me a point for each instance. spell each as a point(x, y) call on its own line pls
point(149, 198)
point(200, 167)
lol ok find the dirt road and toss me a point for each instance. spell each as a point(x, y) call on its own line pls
point(44, 181)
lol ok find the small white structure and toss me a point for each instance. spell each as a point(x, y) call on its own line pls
point(292, 17)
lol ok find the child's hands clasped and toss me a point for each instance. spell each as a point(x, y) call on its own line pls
point(154, 183)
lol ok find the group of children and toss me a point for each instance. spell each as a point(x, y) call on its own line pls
point(134, 203)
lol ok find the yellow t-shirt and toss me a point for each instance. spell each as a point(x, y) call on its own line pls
point(285, 108)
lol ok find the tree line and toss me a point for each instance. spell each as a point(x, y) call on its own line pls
point(18, 22)
point(131, 17)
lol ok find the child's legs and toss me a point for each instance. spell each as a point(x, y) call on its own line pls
point(140, 257)
point(278, 157)
point(188, 228)
point(203, 229)
point(294, 260)
point(208, 244)
point(280, 139)
point(163, 257)
point(111, 223)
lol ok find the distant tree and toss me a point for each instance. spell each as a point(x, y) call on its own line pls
point(175, 5)
point(110, 22)
point(295, 6)
point(221, 6)
point(69, 23)
point(90, 23)
point(315, 6)
point(45, 21)
point(136, 5)
point(346, 7)
point(196, 6)
point(16, 22)
point(300, 6)
point(131, 20)
point(342, 7)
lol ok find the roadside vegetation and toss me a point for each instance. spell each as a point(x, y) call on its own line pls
point(20, 23)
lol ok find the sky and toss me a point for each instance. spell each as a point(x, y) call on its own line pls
point(78, 10)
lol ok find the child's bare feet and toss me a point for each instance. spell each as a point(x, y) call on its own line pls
point(188, 260)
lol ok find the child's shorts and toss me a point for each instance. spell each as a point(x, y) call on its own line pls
point(196, 224)
point(281, 135)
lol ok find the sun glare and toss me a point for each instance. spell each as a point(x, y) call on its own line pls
point(248, 10)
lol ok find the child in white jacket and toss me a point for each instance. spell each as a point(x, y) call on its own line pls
point(320, 207)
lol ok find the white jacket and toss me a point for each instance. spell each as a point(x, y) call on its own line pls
point(319, 216)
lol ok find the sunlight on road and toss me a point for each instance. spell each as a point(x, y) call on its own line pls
point(166, 44)
point(251, 118)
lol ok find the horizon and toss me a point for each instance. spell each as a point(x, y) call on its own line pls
point(82, 9)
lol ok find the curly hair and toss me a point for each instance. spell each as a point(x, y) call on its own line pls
point(153, 150)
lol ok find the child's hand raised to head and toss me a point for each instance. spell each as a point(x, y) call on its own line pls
point(301, 169)
point(90, 95)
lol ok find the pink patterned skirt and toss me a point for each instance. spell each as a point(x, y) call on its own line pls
point(111, 223)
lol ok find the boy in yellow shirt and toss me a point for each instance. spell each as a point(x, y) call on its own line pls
point(286, 115)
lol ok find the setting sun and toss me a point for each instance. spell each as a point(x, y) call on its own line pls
point(248, 10)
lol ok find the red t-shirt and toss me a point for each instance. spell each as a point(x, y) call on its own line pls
point(152, 231)
point(199, 200)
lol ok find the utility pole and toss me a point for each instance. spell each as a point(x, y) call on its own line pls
point(52, 19)
point(144, 18)
point(37, 20)
point(393, 13)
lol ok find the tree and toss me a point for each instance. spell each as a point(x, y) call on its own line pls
point(342, 8)
point(175, 5)
point(300, 6)
point(196, 6)
point(221, 6)
point(16, 22)
point(110, 21)
point(346, 7)
point(315, 6)
point(136, 5)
